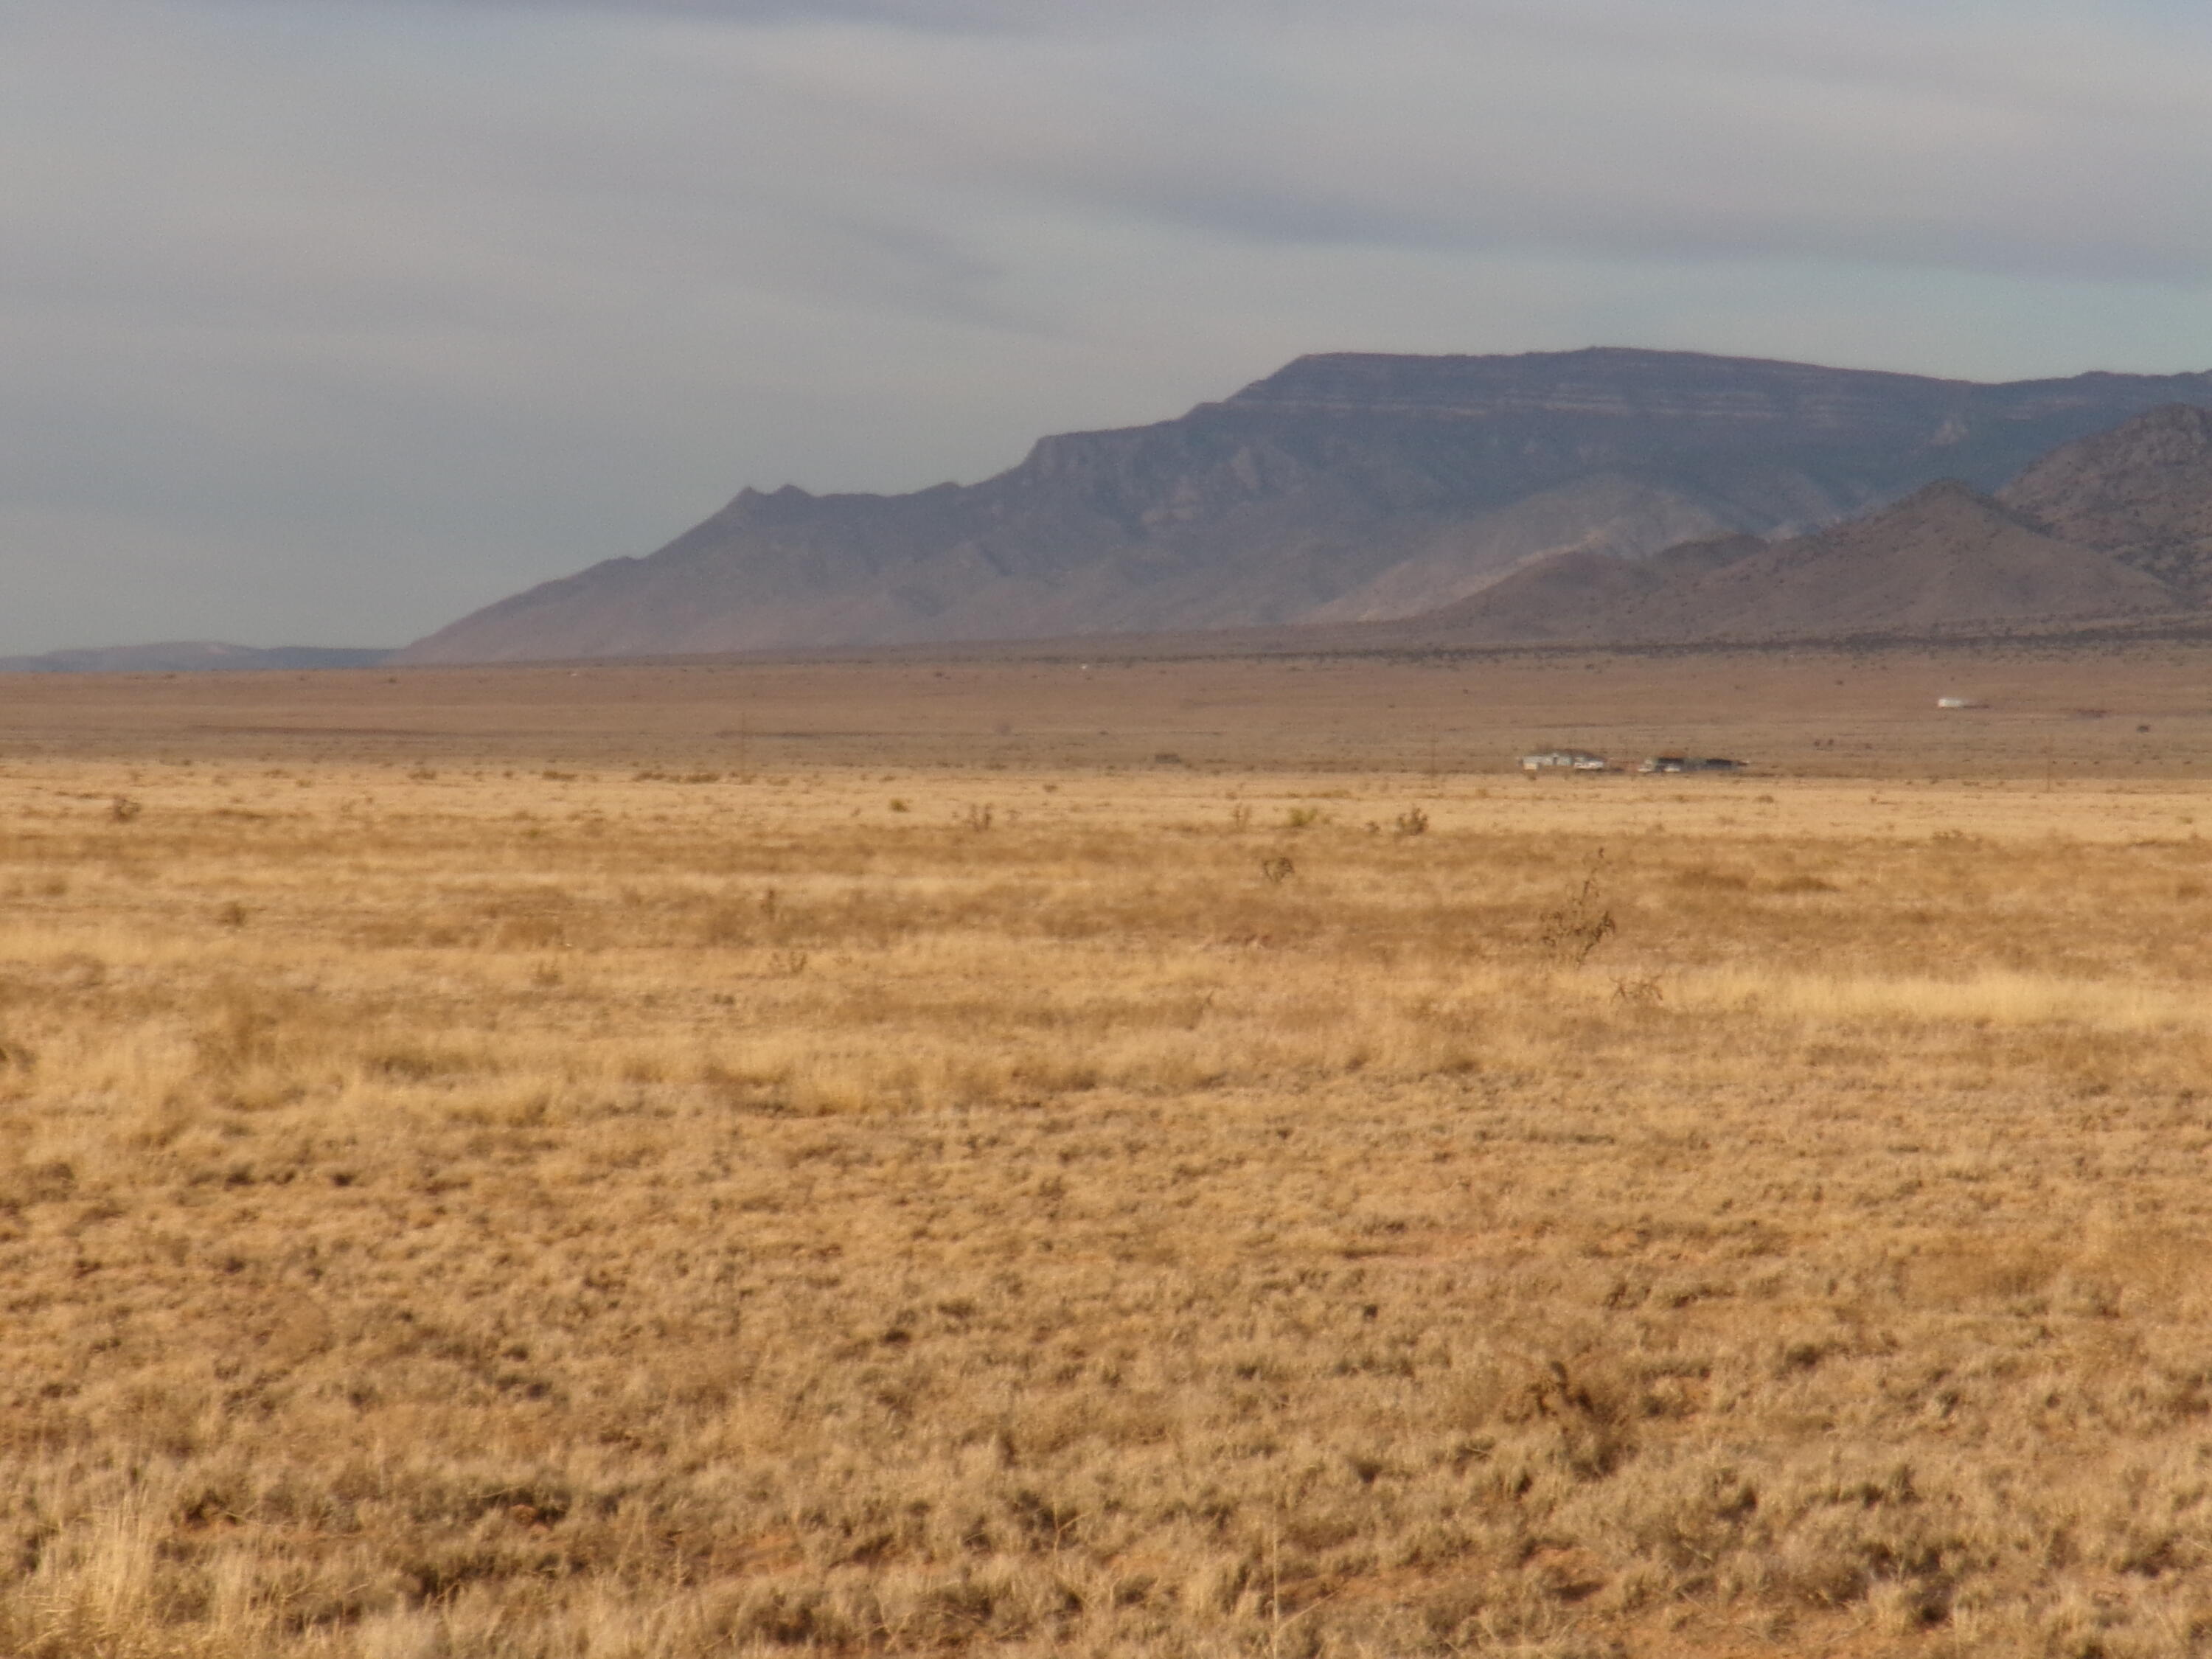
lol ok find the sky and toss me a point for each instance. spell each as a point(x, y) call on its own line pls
point(327, 321)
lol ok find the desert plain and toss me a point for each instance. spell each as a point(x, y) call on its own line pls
point(1109, 1155)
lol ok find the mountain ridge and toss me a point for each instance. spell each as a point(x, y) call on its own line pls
point(1344, 487)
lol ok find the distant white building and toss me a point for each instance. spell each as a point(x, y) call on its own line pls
point(1956, 702)
point(1563, 760)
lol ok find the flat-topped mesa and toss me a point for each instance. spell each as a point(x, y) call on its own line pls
point(1345, 488)
point(1615, 381)
point(1693, 390)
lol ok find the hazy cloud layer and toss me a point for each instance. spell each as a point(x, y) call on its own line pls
point(326, 321)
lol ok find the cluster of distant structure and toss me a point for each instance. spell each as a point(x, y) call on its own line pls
point(1581, 760)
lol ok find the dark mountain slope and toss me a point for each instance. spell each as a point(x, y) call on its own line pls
point(1344, 488)
point(1945, 560)
point(2143, 491)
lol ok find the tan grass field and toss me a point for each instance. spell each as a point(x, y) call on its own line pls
point(870, 1159)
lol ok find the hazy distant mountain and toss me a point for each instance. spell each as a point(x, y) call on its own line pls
point(1343, 488)
point(188, 655)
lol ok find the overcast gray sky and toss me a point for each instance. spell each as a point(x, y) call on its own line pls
point(325, 321)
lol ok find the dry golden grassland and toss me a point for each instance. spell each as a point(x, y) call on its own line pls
point(488, 1209)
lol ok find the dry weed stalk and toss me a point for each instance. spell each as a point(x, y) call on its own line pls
point(1574, 929)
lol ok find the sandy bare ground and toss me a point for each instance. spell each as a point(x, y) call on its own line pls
point(1797, 713)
